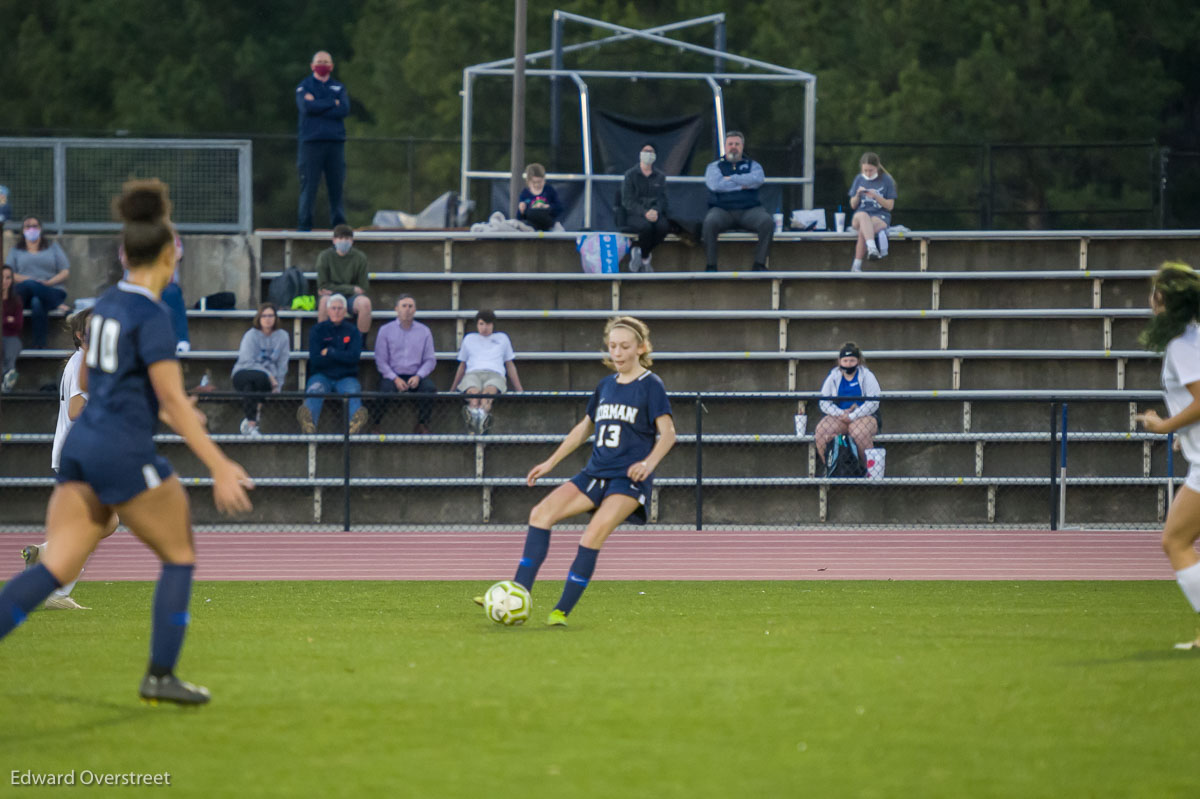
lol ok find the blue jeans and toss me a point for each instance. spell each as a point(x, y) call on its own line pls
point(172, 295)
point(320, 384)
point(313, 158)
point(40, 299)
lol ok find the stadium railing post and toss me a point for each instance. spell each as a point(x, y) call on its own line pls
point(345, 463)
point(699, 461)
point(1053, 465)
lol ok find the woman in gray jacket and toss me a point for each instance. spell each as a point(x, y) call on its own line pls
point(262, 364)
point(853, 403)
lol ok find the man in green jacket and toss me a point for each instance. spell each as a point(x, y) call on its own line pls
point(343, 270)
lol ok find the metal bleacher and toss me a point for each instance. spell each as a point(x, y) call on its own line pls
point(990, 323)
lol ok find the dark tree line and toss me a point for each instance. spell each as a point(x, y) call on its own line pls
point(903, 74)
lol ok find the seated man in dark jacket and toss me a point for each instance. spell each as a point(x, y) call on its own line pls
point(733, 183)
point(644, 198)
point(334, 349)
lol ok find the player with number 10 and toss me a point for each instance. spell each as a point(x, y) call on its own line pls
point(109, 463)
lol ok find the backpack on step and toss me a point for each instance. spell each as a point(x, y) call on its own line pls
point(285, 287)
point(841, 458)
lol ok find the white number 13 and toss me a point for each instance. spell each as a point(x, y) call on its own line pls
point(610, 435)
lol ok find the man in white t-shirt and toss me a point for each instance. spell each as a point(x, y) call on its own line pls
point(484, 359)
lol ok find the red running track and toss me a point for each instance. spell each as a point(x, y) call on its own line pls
point(652, 555)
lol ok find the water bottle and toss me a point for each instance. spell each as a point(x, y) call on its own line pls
point(839, 220)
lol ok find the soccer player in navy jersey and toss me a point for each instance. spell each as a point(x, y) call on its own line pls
point(628, 411)
point(109, 464)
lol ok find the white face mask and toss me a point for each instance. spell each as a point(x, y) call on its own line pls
point(647, 158)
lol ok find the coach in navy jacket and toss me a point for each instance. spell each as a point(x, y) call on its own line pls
point(323, 104)
point(733, 182)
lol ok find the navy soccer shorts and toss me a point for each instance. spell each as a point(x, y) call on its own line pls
point(597, 488)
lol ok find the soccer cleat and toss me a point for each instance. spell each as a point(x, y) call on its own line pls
point(31, 555)
point(359, 421)
point(56, 602)
point(171, 689)
point(1190, 644)
point(556, 619)
point(305, 418)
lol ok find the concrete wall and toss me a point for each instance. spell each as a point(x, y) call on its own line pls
point(210, 264)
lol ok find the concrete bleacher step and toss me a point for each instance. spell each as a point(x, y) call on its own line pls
point(461, 251)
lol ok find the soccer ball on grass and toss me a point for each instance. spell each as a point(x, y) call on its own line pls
point(507, 603)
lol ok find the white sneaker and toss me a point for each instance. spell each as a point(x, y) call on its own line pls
point(646, 267)
point(882, 238)
point(56, 602)
point(635, 258)
point(183, 347)
point(856, 266)
point(10, 381)
point(872, 250)
point(249, 428)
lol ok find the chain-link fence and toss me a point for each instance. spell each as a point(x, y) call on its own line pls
point(741, 460)
point(69, 183)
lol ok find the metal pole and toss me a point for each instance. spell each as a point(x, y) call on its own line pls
point(1054, 466)
point(810, 138)
point(345, 464)
point(699, 463)
point(60, 186)
point(719, 44)
point(1062, 471)
point(518, 108)
point(245, 188)
point(556, 62)
point(464, 182)
point(585, 114)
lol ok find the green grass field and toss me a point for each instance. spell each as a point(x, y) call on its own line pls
point(657, 689)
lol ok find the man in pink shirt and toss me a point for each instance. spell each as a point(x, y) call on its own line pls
point(405, 358)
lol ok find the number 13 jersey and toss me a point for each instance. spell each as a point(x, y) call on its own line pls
point(624, 415)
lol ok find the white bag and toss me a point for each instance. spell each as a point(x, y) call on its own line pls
point(875, 459)
point(813, 219)
point(601, 252)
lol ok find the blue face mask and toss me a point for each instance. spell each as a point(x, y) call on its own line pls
point(342, 247)
point(32, 234)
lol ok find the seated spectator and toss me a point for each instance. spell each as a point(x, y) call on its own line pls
point(334, 349)
point(262, 364)
point(733, 182)
point(538, 205)
point(872, 198)
point(343, 270)
point(40, 268)
point(13, 313)
point(851, 385)
point(405, 358)
point(483, 361)
point(644, 200)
